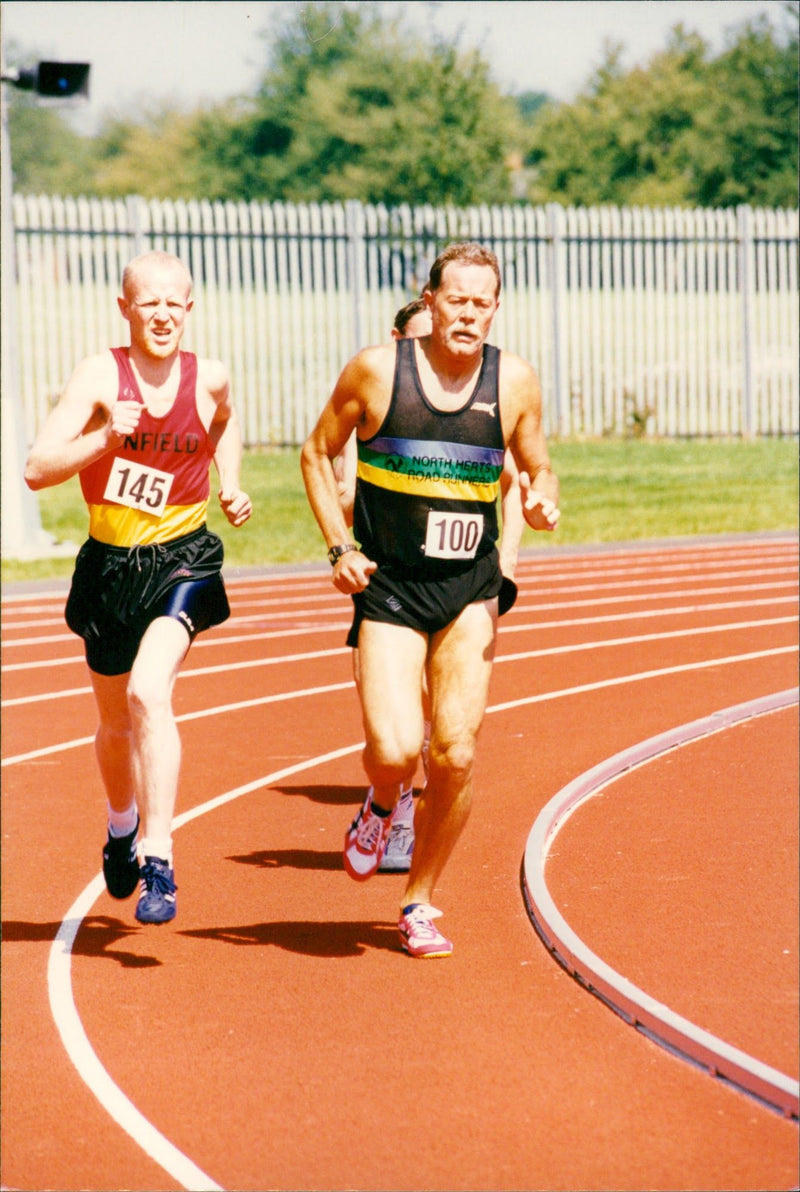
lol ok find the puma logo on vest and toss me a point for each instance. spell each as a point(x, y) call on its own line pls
point(488, 407)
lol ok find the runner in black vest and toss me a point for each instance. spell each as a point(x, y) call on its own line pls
point(433, 418)
point(410, 322)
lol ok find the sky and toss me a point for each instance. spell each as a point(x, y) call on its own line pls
point(197, 52)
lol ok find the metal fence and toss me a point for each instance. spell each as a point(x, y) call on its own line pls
point(664, 322)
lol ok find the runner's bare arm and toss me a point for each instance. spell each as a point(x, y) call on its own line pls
point(513, 520)
point(344, 469)
point(539, 488)
point(226, 434)
point(355, 401)
point(86, 423)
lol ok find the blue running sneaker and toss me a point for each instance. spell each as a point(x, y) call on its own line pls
point(157, 898)
point(121, 865)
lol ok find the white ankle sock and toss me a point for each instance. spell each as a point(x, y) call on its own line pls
point(156, 846)
point(122, 823)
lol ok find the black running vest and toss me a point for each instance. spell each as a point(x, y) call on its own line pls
point(426, 493)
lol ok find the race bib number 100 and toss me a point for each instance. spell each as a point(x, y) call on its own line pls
point(138, 486)
point(453, 535)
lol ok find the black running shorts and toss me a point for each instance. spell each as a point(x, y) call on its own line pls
point(117, 593)
point(395, 596)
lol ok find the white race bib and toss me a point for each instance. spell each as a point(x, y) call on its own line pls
point(453, 535)
point(138, 486)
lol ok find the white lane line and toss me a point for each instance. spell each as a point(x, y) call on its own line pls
point(633, 1004)
point(528, 699)
point(222, 637)
point(535, 562)
point(70, 1027)
point(219, 710)
point(640, 677)
point(311, 656)
point(538, 605)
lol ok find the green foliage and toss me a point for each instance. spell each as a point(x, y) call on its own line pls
point(358, 107)
point(746, 147)
point(206, 154)
point(354, 104)
point(687, 129)
point(48, 157)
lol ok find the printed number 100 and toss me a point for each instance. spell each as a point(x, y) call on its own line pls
point(453, 535)
point(462, 539)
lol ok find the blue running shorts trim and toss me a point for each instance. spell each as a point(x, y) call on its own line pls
point(117, 593)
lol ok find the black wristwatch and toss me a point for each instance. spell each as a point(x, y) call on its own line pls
point(336, 552)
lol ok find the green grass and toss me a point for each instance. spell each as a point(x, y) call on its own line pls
point(611, 491)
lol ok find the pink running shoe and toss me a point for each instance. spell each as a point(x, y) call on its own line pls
point(365, 841)
point(418, 935)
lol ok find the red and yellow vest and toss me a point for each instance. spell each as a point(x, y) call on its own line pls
point(168, 456)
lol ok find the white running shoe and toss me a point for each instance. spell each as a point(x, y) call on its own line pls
point(365, 841)
point(399, 847)
point(418, 935)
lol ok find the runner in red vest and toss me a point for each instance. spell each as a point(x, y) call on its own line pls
point(140, 426)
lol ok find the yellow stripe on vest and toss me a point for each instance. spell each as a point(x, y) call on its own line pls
point(424, 486)
point(117, 525)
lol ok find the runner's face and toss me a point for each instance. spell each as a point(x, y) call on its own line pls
point(156, 307)
point(463, 307)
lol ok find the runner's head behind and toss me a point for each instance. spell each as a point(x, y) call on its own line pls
point(412, 320)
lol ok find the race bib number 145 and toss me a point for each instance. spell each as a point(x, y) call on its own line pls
point(453, 535)
point(138, 486)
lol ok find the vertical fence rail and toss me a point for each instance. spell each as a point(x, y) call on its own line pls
point(663, 322)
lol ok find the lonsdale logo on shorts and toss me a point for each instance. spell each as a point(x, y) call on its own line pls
point(187, 620)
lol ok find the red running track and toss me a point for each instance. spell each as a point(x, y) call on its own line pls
point(274, 1036)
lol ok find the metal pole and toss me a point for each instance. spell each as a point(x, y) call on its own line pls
point(22, 533)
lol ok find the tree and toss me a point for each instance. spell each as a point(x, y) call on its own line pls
point(357, 106)
point(687, 129)
point(746, 141)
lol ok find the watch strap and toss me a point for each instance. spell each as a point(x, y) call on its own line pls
point(336, 552)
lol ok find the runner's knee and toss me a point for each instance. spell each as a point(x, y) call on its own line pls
point(455, 755)
point(148, 695)
point(389, 762)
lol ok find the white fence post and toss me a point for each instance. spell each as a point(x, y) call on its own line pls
point(555, 218)
point(744, 217)
point(135, 208)
point(641, 321)
point(354, 212)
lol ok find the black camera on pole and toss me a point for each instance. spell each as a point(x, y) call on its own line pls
point(54, 81)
